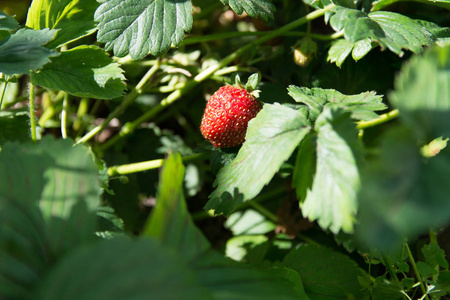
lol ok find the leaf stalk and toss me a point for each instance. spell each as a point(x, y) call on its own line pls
point(32, 112)
point(149, 165)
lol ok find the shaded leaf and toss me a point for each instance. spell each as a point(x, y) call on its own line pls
point(23, 253)
point(22, 51)
point(271, 138)
point(140, 27)
point(227, 279)
point(401, 195)
point(75, 18)
point(332, 197)
point(422, 92)
point(7, 23)
point(361, 106)
point(305, 166)
point(254, 8)
point(434, 256)
point(131, 269)
point(67, 193)
point(380, 4)
point(325, 273)
point(84, 71)
point(48, 191)
point(170, 221)
point(14, 126)
point(384, 289)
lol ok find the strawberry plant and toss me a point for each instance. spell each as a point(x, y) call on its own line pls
point(135, 164)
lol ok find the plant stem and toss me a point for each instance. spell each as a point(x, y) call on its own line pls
point(264, 211)
point(64, 116)
point(82, 110)
point(149, 165)
point(380, 120)
point(235, 34)
point(3, 94)
point(416, 271)
point(138, 90)
point(130, 127)
point(32, 113)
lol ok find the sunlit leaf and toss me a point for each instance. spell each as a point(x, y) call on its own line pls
point(84, 71)
point(140, 27)
point(388, 29)
point(362, 106)
point(74, 18)
point(170, 221)
point(271, 138)
point(331, 199)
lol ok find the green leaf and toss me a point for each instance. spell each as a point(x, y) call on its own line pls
point(254, 8)
point(22, 51)
point(75, 18)
point(332, 197)
point(305, 166)
point(48, 192)
point(67, 192)
point(271, 138)
point(442, 34)
point(253, 82)
point(23, 259)
point(131, 269)
point(325, 273)
point(140, 27)
point(401, 194)
point(14, 126)
point(84, 71)
point(341, 49)
point(388, 29)
point(238, 247)
point(227, 279)
point(380, 4)
point(361, 106)
point(170, 221)
point(7, 23)
point(422, 94)
point(435, 256)
point(361, 48)
point(384, 289)
point(72, 178)
point(248, 222)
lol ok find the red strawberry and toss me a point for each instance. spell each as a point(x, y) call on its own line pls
point(226, 116)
